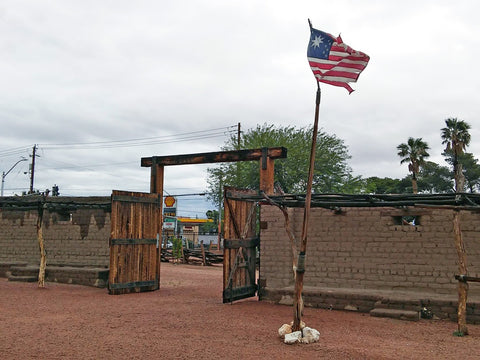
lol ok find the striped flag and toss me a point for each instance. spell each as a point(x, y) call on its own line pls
point(334, 62)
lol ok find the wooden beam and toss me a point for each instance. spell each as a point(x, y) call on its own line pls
point(267, 167)
point(156, 179)
point(156, 187)
point(214, 157)
point(466, 278)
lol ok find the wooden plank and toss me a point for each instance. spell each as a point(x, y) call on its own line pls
point(133, 241)
point(122, 258)
point(214, 157)
point(133, 285)
point(239, 293)
point(135, 200)
point(137, 263)
point(466, 278)
point(246, 243)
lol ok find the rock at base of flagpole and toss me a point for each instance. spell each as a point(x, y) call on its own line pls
point(287, 328)
point(284, 330)
point(305, 336)
point(293, 337)
point(310, 335)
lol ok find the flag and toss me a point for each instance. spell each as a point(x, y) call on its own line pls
point(334, 62)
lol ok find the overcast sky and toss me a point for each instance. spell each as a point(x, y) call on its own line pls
point(182, 74)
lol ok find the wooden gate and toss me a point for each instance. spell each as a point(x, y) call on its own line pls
point(134, 242)
point(240, 246)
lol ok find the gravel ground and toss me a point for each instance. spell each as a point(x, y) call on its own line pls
point(186, 319)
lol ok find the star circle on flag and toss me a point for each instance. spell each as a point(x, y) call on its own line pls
point(317, 41)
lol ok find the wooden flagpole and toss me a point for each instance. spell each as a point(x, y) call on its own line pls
point(300, 270)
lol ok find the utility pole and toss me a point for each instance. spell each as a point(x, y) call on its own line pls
point(238, 136)
point(32, 173)
point(238, 148)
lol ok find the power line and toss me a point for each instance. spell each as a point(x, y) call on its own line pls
point(187, 136)
point(60, 165)
point(15, 151)
point(193, 135)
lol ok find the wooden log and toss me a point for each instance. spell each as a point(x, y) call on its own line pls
point(214, 157)
point(267, 168)
point(43, 256)
point(204, 261)
point(462, 285)
point(467, 278)
point(41, 245)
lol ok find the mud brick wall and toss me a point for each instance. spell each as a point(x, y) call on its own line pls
point(369, 248)
point(75, 237)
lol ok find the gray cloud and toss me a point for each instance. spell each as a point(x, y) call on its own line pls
point(89, 71)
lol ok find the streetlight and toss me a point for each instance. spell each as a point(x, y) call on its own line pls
point(4, 174)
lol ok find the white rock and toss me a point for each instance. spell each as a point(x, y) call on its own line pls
point(293, 337)
point(310, 335)
point(350, 308)
point(284, 329)
point(286, 300)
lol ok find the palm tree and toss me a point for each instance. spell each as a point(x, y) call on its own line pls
point(457, 138)
point(414, 152)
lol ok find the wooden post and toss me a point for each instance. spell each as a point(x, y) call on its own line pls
point(267, 167)
point(156, 187)
point(183, 254)
point(300, 270)
point(204, 260)
point(462, 284)
point(41, 244)
point(156, 177)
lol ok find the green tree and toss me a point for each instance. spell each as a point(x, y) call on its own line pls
point(456, 136)
point(376, 185)
point(210, 227)
point(414, 153)
point(332, 173)
point(470, 169)
point(434, 178)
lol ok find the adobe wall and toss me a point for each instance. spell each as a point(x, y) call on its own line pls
point(72, 238)
point(365, 249)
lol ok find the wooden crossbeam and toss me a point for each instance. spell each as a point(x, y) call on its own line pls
point(465, 278)
point(216, 157)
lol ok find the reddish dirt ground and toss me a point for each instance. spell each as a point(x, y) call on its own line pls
point(186, 319)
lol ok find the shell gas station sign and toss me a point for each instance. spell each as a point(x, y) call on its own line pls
point(169, 213)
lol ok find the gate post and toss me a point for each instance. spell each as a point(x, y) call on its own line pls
point(156, 187)
point(156, 177)
point(267, 167)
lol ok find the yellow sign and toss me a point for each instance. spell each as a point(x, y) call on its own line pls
point(169, 201)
